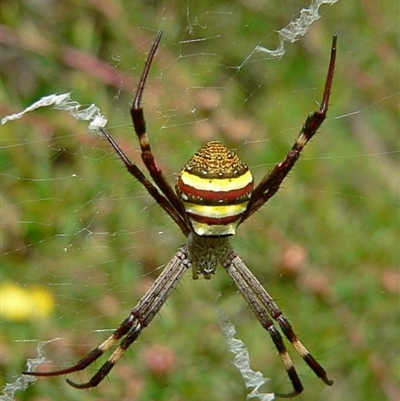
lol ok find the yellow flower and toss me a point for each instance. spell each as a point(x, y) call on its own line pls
point(20, 303)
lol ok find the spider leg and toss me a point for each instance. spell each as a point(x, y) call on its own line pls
point(263, 306)
point(151, 189)
point(270, 184)
point(132, 335)
point(167, 199)
point(130, 329)
point(139, 124)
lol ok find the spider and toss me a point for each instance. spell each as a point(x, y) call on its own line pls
point(214, 194)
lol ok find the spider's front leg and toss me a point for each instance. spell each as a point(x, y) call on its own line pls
point(130, 329)
point(270, 184)
point(139, 124)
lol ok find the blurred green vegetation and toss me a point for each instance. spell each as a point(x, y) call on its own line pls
point(75, 223)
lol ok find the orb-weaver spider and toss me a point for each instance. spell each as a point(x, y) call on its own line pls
point(214, 194)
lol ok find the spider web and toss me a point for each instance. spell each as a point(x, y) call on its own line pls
point(82, 252)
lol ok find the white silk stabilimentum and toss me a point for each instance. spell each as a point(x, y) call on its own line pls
point(253, 380)
point(64, 102)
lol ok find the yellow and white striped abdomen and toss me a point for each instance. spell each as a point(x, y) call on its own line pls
point(215, 187)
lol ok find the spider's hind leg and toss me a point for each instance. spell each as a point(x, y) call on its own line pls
point(130, 329)
point(265, 309)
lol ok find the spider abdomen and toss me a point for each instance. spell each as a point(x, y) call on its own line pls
point(215, 187)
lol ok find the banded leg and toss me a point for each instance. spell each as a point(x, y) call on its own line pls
point(140, 317)
point(270, 184)
point(139, 124)
point(265, 308)
point(167, 199)
point(151, 189)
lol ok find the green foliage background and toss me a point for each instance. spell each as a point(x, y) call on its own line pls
point(75, 222)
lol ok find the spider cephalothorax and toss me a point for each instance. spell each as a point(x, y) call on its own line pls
point(214, 193)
